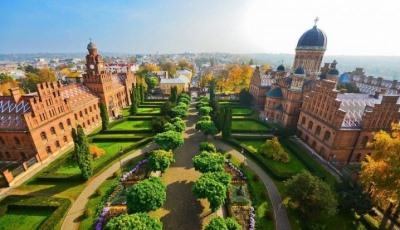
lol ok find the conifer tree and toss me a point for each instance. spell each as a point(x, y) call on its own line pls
point(104, 116)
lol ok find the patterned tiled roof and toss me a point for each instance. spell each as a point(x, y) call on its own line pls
point(11, 113)
point(78, 95)
point(277, 92)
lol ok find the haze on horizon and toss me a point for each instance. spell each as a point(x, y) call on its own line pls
point(232, 26)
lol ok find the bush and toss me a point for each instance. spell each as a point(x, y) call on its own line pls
point(374, 224)
point(269, 215)
point(206, 146)
point(99, 192)
point(87, 213)
point(256, 178)
point(264, 195)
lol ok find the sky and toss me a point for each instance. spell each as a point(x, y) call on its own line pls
point(353, 27)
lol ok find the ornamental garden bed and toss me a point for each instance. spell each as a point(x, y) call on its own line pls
point(147, 110)
point(25, 212)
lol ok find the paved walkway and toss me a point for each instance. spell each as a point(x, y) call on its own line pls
point(73, 215)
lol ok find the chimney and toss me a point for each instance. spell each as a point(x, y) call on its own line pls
point(15, 94)
point(383, 91)
point(343, 91)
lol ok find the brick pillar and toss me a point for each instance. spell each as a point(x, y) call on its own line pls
point(24, 166)
point(369, 80)
point(38, 159)
point(8, 176)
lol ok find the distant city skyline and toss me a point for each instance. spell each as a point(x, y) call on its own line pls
point(226, 26)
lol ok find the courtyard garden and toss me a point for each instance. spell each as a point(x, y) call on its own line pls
point(133, 125)
point(248, 125)
point(241, 111)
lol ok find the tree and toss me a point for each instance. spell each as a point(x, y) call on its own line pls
point(184, 100)
point(220, 177)
point(245, 97)
point(157, 124)
point(212, 190)
point(251, 62)
point(218, 223)
point(133, 109)
point(166, 108)
point(169, 140)
point(148, 195)
point(137, 221)
point(170, 68)
point(174, 94)
point(207, 146)
point(226, 123)
point(141, 92)
point(382, 168)
point(209, 162)
point(46, 75)
point(160, 160)
point(214, 104)
point(311, 196)
point(273, 149)
point(205, 110)
point(353, 196)
point(132, 59)
point(179, 124)
point(96, 152)
point(201, 104)
point(212, 89)
point(31, 69)
point(85, 162)
point(104, 116)
point(179, 111)
point(207, 127)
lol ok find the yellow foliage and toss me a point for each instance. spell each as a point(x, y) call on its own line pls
point(96, 152)
point(265, 68)
point(383, 167)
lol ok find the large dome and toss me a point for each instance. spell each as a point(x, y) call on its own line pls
point(91, 46)
point(312, 39)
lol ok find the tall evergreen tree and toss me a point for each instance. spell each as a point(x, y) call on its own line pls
point(227, 123)
point(104, 116)
point(84, 158)
point(141, 92)
point(212, 89)
point(133, 109)
point(174, 94)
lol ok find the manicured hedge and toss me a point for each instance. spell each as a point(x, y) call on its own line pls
point(255, 137)
point(60, 205)
point(127, 131)
point(150, 105)
point(117, 122)
point(112, 139)
point(137, 118)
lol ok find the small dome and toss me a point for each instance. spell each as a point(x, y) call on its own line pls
point(333, 72)
point(280, 68)
point(312, 39)
point(300, 71)
point(277, 93)
point(344, 78)
point(91, 46)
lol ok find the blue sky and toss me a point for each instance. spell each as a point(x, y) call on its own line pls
point(236, 26)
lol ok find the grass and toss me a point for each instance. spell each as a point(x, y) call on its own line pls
point(133, 125)
point(111, 148)
point(19, 218)
point(228, 103)
point(128, 135)
point(148, 110)
point(241, 111)
point(243, 125)
point(294, 166)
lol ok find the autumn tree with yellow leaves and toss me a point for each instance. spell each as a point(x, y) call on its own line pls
point(380, 173)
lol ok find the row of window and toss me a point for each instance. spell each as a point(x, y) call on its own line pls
point(317, 132)
point(17, 142)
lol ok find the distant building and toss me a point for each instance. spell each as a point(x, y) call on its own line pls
point(181, 82)
point(185, 72)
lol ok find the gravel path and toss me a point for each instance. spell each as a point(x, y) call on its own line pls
point(182, 210)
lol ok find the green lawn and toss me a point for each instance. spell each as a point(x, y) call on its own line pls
point(24, 218)
point(241, 111)
point(294, 166)
point(133, 125)
point(243, 125)
point(71, 167)
point(154, 110)
point(125, 112)
point(228, 103)
point(128, 135)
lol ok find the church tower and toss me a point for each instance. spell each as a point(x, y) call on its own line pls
point(310, 51)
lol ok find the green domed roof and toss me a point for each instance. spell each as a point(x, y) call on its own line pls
point(277, 92)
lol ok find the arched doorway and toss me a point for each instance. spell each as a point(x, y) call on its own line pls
point(322, 152)
point(357, 158)
point(306, 140)
point(313, 144)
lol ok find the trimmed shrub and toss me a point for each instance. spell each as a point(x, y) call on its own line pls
point(99, 192)
point(87, 213)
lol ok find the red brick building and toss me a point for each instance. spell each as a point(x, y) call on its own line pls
point(39, 124)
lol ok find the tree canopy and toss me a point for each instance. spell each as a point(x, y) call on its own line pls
point(311, 196)
point(82, 152)
point(148, 195)
point(218, 223)
point(160, 160)
point(213, 191)
point(157, 124)
point(209, 162)
point(381, 170)
point(205, 110)
point(207, 146)
point(273, 149)
point(169, 140)
point(207, 127)
point(137, 221)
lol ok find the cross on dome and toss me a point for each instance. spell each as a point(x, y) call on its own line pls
point(316, 20)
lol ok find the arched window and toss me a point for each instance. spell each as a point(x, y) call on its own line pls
point(76, 117)
point(306, 139)
point(8, 156)
point(65, 139)
point(85, 111)
point(94, 106)
point(313, 144)
point(69, 122)
point(310, 125)
point(23, 156)
point(327, 136)
point(364, 141)
point(357, 158)
point(303, 120)
point(322, 152)
point(53, 131)
point(318, 130)
point(58, 144)
point(93, 119)
point(43, 136)
point(80, 114)
point(17, 142)
point(2, 142)
point(90, 109)
point(61, 125)
point(48, 150)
